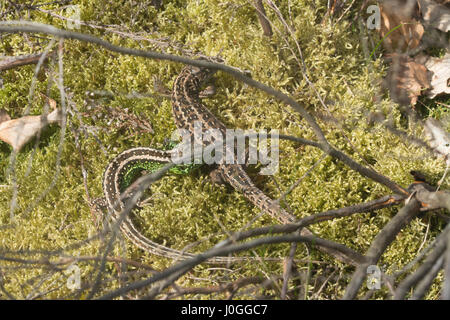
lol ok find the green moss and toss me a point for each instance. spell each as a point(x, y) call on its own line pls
point(188, 209)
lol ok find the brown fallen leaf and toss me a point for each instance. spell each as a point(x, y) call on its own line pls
point(436, 15)
point(440, 79)
point(18, 132)
point(403, 15)
point(406, 79)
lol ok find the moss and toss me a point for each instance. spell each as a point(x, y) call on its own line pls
point(189, 208)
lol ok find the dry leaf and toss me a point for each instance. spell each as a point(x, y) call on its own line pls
point(406, 79)
point(403, 14)
point(439, 138)
point(440, 80)
point(436, 15)
point(18, 132)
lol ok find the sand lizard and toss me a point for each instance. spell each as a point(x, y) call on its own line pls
point(187, 108)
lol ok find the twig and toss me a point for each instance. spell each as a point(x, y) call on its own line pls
point(261, 12)
point(231, 287)
point(420, 256)
point(179, 269)
point(446, 288)
point(30, 101)
point(288, 269)
point(63, 125)
point(421, 271)
point(294, 185)
point(427, 280)
point(318, 217)
point(345, 12)
point(17, 61)
point(380, 243)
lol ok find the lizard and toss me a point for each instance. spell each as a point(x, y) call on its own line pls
point(187, 108)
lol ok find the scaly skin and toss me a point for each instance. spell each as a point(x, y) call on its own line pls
point(187, 108)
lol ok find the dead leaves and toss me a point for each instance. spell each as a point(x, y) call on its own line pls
point(18, 132)
point(436, 15)
point(440, 78)
point(407, 28)
point(407, 79)
point(400, 27)
point(404, 23)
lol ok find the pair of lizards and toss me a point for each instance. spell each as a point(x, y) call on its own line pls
point(187, 108)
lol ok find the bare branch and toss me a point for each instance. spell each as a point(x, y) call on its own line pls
point(261, 12)
point(181, 268)
point(424, 268)
point(13, 62)
point(380, 243)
